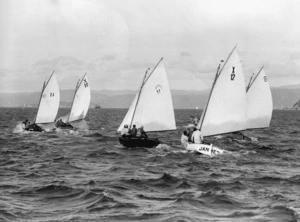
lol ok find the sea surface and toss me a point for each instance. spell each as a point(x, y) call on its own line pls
point(86, 175)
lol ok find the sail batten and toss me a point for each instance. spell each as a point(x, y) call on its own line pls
point(226, 108)
point(152, 106)
point(81, 101)
point(49, 101)
point(259, 102)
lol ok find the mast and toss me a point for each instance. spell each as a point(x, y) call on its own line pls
point(219, 71)
point(44, 86)
point(76, 89)
point(140, 91)
point(215, 80)
point(250, 83)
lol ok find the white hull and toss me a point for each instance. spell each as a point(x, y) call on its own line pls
point(205, 149)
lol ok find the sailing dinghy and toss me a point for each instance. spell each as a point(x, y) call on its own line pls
point(259, 101)
point(152, 108)
point(48, 104)
point(225, 111)
point(80, 104)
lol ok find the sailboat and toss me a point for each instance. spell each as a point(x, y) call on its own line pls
point(152, 108)
point(225, 111)
point(80, 104)
point(48, 104)
point(259, 101)
point(97, 106)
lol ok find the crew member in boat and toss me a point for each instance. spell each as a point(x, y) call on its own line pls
point(60, 123)
point(184, 139)
point(133, 131)
point(25, 124)
point(190, 131)
point(141, 133)
point(31, 127)
point(197, 136)
point(125, 131)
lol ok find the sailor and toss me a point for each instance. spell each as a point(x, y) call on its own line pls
point(25, 124)
point(197, 136)
point(190, 131)
point(195, 121)
point(184, 139)
point(141, 133)
point(125, 131)
point(58, 123)
point(133, 131)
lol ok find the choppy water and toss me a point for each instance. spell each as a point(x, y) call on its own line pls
point(86, 175)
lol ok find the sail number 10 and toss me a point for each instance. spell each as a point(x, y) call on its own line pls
point(51, 94)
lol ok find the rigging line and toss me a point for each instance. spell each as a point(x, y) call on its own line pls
point(139, 94)
point(79, 82)
point(44, 86)
point(214, 83)
point(152, 71)
point(250, 84)
point(204, 111)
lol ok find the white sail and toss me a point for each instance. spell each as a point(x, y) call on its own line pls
point(226, 108)
point(81, 101)
point(259, 102)
point(152, 106)
point(49, 101)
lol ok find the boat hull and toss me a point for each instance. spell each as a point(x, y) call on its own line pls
point(139, 142)
point(34, 127)
point(64, 126)
point(205, 149)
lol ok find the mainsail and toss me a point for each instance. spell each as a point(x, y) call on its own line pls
point(152, 106)
point(49, 101)
point(81, 101)
point(259, 101)
point(225, 110)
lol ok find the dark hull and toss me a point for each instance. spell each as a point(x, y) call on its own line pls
point(64, 126)
point(139, 142)
point(34, 127)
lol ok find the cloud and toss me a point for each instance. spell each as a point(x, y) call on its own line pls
point(108, 57)
point(295, 56)
point(187, 54)
point(116, 41)
point(63, 62)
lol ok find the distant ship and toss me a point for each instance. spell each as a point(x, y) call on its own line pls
point(97, 106)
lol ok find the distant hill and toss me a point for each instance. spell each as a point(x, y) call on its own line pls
point(283, 97)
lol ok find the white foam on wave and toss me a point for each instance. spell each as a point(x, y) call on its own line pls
point(19, 128)
point(162, 146)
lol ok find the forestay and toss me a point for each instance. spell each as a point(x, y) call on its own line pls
point(49, 101)
point(81, 101)
point(259, 101)
point(226, 108)
point(152, 106)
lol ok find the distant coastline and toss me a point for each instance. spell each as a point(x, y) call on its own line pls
point(284, 98)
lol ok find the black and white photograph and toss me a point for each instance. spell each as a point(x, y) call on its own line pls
point(150, 110)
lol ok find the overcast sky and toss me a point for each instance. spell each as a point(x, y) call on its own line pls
point(115, 41)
